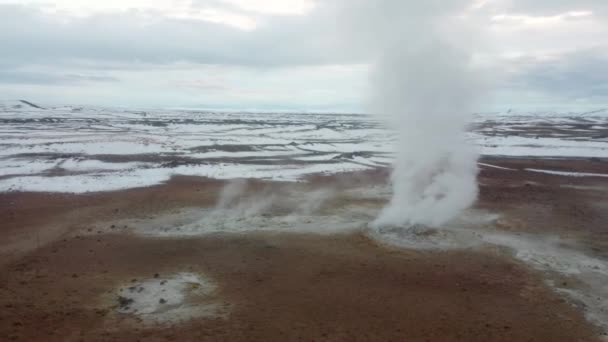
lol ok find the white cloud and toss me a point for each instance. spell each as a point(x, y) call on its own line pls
point(540, 21)
point(276, 7)
point(267, 50)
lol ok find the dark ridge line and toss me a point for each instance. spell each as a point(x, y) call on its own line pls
point(30, 104)
point(172, 161)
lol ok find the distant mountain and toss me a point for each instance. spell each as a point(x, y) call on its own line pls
point(30, 104)
point(600, 112)
point(16, 105)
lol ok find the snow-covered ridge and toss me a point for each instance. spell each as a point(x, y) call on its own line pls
point(75, 148)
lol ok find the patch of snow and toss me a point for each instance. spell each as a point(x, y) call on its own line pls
point(496, 167)
point(25, 166)
point(61, 132)
point(178, 298)
point(569, 174)
point(143, 177)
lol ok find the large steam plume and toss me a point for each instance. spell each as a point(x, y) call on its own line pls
point(424, 91)
point(423, 85)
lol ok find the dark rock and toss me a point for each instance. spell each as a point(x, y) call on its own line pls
point(351, 155)
point(124, 302)
point(101, 312)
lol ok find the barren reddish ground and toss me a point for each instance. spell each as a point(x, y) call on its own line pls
point(56, 268)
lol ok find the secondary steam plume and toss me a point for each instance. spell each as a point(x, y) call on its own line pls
point(423, 85)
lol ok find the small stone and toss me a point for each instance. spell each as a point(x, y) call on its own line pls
point(124, 302)
point(101, 312)
point(162, 301)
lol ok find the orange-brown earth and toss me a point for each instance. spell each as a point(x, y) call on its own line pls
point(57, 268)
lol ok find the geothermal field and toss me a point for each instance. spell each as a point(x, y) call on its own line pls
point(181, 225)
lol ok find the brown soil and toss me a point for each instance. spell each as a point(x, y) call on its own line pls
point(543, 202)
point(56, 270)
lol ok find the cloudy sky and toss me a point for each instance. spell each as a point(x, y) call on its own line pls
point(282, 54)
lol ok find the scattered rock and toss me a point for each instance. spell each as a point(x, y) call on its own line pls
point(162, 301)
point(101, 312)
point(124, 301)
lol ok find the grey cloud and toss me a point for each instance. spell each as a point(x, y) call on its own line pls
point(28, 36)
point(555, 7)
point(41, 78)
point(332, 34)
point(324, 36)
point(583, 74)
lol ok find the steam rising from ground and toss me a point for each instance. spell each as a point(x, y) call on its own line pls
point(423, 85)
point(423, 91)
point(237, 199)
